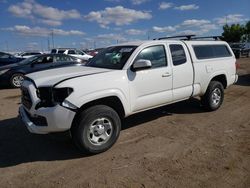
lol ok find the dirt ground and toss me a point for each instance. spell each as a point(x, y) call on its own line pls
point(174, 146)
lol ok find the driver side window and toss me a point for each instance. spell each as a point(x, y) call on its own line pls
point(156, 54)
point(43, 60)
point(63, 58)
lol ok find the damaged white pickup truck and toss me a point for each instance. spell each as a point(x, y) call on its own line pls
point(122, 80)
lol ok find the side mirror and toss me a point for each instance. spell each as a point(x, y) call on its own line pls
point(141, 64)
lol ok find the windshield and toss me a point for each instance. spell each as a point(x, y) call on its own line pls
point(28, 60)
point(112, 57)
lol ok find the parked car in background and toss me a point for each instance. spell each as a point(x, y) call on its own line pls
point(28, 54)
point(13, 74)
point(7, 59)
point(94, 52)
point(72, 52)
point(241, 49)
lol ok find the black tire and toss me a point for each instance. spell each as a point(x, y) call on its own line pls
point(82, 129)
point(14, 80)
point(213, 97)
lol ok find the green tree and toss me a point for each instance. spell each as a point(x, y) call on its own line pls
point(247, 32)
point(233, 33)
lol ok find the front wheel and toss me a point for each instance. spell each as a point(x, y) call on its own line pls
point(96, 129)
point(16, 80)
point(213, 97)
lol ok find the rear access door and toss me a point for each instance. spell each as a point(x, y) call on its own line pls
point(183, 75)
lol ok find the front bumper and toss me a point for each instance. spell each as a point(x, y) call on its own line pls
point(45, 119)
point(58, 119)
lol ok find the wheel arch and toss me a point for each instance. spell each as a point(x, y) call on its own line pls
point(112, 101)
point(220, 78)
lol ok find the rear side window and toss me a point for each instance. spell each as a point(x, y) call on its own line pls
point(62, 58)
point(211, 51)
point(178, 54)
point(221, 51)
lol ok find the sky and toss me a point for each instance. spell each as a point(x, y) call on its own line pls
point(44, 24)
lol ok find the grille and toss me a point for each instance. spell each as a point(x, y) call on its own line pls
point(26, 100)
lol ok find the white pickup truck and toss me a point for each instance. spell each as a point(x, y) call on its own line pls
point(122, 80)
point(72, 52)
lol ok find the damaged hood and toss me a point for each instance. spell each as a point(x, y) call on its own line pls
point(54, 76)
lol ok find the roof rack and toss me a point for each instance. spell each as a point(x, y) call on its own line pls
point(190, 37)
point(186, 37)
point(208, 37)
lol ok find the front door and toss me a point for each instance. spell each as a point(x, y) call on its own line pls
point(151, 87)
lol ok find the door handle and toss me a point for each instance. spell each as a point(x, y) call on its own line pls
point(167, 74)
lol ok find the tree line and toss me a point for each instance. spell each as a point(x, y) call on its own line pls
point(236, 32)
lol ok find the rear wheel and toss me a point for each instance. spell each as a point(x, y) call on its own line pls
point(96, 129)
point(16, 80)
point(213, 97)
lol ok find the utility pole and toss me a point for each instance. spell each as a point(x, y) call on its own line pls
point(148, 34)
point(52, 36)
point(41, 46)
point(48, 44)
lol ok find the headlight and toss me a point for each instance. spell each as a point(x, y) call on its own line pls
point(45, 95)
point(59, 94)
point(4, 71)
point(51, 96)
